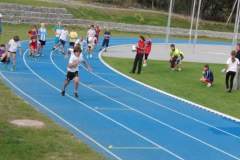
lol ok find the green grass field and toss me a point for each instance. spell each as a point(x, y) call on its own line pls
point(185, 84)
point(126, 16)
point(49, 143)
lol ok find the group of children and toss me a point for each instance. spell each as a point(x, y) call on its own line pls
point(88, 46)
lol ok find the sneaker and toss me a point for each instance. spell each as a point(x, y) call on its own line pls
point(209, 85)
point(76, 95)
point(63, 93)
point(90, 56)
point(144, 64)
point(179, 69)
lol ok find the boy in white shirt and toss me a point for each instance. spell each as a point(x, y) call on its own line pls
point(72, 69)
point(12, 47)
point(63, 38)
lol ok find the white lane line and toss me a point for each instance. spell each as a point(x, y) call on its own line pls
point(62, 119)
point(14, 72)
point(111, 109)
point(132, 148)
point(103, 115)
point(165, 107)
point(153, 118)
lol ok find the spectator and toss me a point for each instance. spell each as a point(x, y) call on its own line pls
point(106, 39)
point(176, 57)
point(207, 77)
point(147, 51)
point(231, 70)
point(238, 72)
point(138, 62)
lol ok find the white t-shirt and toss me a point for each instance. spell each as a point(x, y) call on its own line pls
point(232, 66)
point(73, 58)
point(64, 35)
point(91, 33)
point(13, 46)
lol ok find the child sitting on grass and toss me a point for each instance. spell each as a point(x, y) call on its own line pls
point(207, 77)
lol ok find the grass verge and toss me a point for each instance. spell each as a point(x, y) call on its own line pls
point(127, 16)
point(185, 84)
point(49, 143)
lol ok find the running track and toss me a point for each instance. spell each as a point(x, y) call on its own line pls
point(123, 119)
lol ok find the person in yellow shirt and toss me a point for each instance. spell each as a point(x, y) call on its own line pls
point(73, 36)
point(176, 57)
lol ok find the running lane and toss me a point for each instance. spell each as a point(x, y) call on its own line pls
point(121, 118)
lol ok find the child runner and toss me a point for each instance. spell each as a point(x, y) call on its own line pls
point(12, 47)
point(91, 40)
point(62, 40)
point(83, 43)
point(138, 62)
point(176, 56)
point(34, 46)
point(42, 33)
point(57, 29)
point(33, 32)
point(231, 70)
point(147, 51)
point(72, 70)
point(72, 38)
point(97, 30)
point(207, 77)
point(106, 39)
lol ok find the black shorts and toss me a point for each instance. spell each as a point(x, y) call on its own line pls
point(71, 75)
point(146, 56)
point(5, 60)
point(71, 44)
point(43, 43)
point(62, 42)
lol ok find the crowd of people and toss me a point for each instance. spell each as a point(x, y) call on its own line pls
point(232, 69)
point(70, 44)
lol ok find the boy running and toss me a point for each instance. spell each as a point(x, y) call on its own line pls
point(12, 47)
point(57, 29)
point(62, 40)
point(72, 69)
point(72, 38)
point(42, 35)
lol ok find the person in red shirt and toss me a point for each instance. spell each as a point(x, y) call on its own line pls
point(98, 30)
point(148, 49)
point(138, 62)
point(33, 32)
point(33, 46)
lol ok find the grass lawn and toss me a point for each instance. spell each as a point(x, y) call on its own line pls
point(127, 16)
point(185, 84)
point(49, 143)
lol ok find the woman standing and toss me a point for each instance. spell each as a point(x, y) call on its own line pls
point(138, 62)
point(231, 70)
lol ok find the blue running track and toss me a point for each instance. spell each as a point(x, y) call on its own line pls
point(121, 118)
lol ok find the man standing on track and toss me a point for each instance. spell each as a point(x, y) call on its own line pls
point(72, 69)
